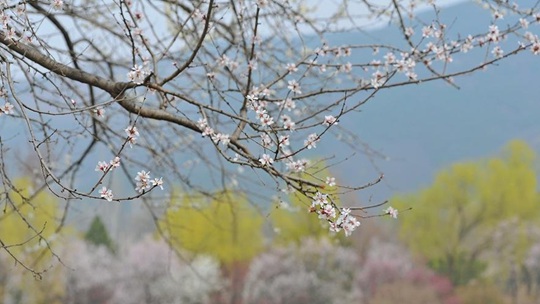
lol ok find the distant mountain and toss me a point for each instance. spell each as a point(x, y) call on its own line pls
point(423, 128)
point(420, 128)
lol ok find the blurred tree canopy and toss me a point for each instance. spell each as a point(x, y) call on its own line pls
point(453, 220)
point(97, 234)
point(225, 226)
point(33, 224)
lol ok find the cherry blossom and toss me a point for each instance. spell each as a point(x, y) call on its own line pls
point(137, 74)
point(493, 34)
point(524, 23)
point(497, 52)
point(143, 181)
point(319, 199)
point(7, 108)
point(346, 68)
point(329, 120)
point(158, 182)
point(288, 123)
point(330, 181)
point(102, 166)
point(297, 166)
point(266, 160)
point(266, 141)
point(409, 31)
point(291, 67)
point(392, 212)
point(467, 45)
point(377, 79)
point(202, 123)
point(57, 4)
point(288, 104)
point(224, 139)
point(284, 140)
point(207, 131)
point(535, 48)
point(100, 112)
point(106, 194)
point(115, 163)
point(327, 212)
point(311, 141)
point(346, 221)
point(267, 120)
point(294, 86)
point(132, 133)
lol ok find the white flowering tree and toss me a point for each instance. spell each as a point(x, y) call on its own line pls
point(192, 91)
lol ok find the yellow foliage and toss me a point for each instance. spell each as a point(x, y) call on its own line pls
point(26, 225)
point(28, 222)
point(459, 211)
point(225, 226)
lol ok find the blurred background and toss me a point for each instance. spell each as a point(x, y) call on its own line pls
point(461, 165)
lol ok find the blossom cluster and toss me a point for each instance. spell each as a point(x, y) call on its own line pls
point(442, 51)
point(326, 210)
point(100, 112)
point(225, 61)
point(6, 109)
point(132, 134)
point(57, 4)
point(256, 102)
point(280, 128)
point(392, 212)
point(138, 73)
point(345, 221)
point(145, 183)
point(106, 194)
point(103, 166)
point(206, 130)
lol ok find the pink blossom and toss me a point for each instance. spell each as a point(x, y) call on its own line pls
point(392, 212)
point(311, 141)
point(266, 160)
point(102, 166)
point(294, 86)
point(106, 194)
point(291, 67)
point(330, 181)
point(7, 108)
point(100, 112)
point(329, 120)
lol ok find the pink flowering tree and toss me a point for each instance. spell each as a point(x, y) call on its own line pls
point(315, 271)
point(198, 91)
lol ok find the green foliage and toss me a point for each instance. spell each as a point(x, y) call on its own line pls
point(461, 270)
point(97, 234)
point(225, 226)
point(453, 221)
